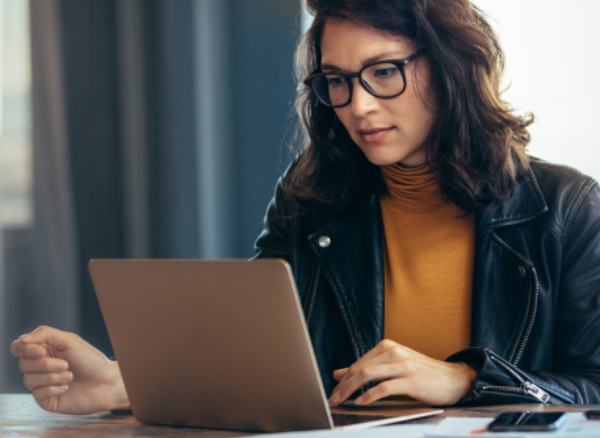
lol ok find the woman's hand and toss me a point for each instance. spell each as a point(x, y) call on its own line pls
point(401, 371)
point(67, 375)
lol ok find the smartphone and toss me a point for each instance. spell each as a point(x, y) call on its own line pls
point(593, 415)
point(528, 421)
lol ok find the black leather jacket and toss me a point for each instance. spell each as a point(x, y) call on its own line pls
point(536, 288)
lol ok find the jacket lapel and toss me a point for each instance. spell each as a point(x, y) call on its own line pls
point(525, 203)
point(351, 256)
point(504, 280)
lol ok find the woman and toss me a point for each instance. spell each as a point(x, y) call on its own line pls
point(416, 225)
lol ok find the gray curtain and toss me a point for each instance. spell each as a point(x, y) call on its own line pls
point(54, 227)
point(40, 263)
point(159, 131)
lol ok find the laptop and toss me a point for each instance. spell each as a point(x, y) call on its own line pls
point(217, 344)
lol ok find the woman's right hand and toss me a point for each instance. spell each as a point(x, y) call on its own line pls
point(67, 375)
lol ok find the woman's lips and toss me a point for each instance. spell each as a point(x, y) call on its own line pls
point(374, 135)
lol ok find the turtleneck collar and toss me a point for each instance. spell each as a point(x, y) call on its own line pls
point(413, 190)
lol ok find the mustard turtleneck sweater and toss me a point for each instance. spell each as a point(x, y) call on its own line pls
point(429, 254)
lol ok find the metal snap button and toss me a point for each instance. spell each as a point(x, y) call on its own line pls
point(522, 271)
point(324, 241)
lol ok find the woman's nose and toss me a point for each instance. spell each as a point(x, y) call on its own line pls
point(362, 102)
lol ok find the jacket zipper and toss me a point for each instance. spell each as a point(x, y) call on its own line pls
point(526, 387)
point(313, 294)
point(536, 292)
point(531, 319)
point(516, 389)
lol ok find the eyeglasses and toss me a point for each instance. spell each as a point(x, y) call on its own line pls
point(383, 79)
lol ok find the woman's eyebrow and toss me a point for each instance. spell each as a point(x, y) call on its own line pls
point(375, 58)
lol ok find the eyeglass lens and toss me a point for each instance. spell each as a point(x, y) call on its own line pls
point(382, 80)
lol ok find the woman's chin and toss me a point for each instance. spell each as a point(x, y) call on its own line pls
point(379, 162)
point(383, 159)
point(379, 156)
point(382, 156)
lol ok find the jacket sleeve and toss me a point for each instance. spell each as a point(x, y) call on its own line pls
point(273, 241)
point(575, 374)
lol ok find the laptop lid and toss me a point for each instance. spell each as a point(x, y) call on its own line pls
point(218, 344)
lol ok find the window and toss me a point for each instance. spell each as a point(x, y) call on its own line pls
point(15, 115)
point(552, 62)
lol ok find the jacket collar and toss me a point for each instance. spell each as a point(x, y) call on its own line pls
point(524, 203)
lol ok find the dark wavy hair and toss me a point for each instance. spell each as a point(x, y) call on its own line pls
point(476, 146)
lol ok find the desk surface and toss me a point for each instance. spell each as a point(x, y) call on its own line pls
point(21, 417)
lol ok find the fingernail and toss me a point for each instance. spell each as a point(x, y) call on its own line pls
point(63, 388)
point(66, 377)
point(25, 338)
point(335, 398)
point(359, 400)
point(62, 366)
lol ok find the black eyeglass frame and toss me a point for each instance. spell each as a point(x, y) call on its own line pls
point(347, 77)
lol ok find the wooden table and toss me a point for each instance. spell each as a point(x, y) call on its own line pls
point(21, 417)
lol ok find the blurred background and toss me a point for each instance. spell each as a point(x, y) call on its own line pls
point(158, 128)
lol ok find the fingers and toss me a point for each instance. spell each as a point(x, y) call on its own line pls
point(383, 346)
point(385, 389)
point(51, 336)
point(45, 376)
point(364, 375)
point(339, 374)
point(43, 396)
point(42, 365)
point(34, 381)
point(385, 352)
point(401, 371)
point(374, 366)
point(44, 386)
point(20, 349)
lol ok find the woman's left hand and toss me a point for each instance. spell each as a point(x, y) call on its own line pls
point(401, 371)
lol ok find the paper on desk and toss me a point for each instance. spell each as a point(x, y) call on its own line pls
point(403, 431)
point(454, 427)
point(459, 427)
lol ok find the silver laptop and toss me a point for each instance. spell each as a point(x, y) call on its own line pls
point(217, 344)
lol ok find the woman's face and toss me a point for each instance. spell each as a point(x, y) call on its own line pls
point(387, 130)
